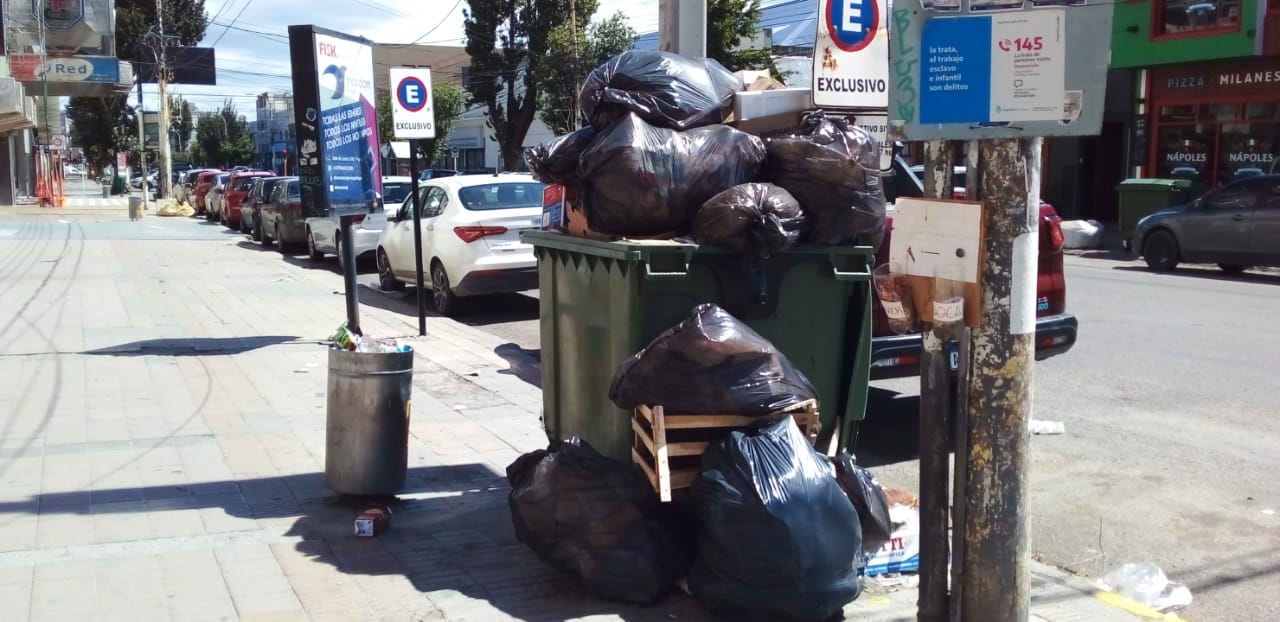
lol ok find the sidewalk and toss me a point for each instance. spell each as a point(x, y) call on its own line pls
point(162, 449)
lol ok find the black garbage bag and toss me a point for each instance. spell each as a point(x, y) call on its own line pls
point(597, 519)
point(779, 539)
point(667, 90)
point(710, 363)
point(868, 499)
point(642, 180)
point(833, 169)
point(556, 161)
point(753, 219)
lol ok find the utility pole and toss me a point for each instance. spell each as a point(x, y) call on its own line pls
point(166, 158)
point(936, 405)
point(996, 580)
point(142, 149)
point(573, 27)
point(682, 27)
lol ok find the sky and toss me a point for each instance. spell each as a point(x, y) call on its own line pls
point(250, 37)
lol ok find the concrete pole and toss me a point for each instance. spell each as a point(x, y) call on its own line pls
point(935, 422)
point(996, 579)
point(162, 77)
point(682, 27)
point(142, 149)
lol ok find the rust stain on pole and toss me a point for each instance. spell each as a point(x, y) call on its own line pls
point(996, 580)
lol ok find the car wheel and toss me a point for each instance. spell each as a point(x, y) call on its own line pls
point(1160, 251)
point(312, 253)
point(283, 248)
point(257, 231)
point(244, 223)
point(209, 215)
point(446, 302)
point(263, 237)
point(386, 280)
point(1231, 268)
point(337, 248)
point(222, 220)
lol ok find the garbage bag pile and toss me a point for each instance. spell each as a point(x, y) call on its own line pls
point(657, 161)
point(770, 529)
point(711, 363)
point(832, 168)
point(779, 540)
point(598, 520)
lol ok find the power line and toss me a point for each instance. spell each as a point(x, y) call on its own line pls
point(233, 22)
point(441, 23)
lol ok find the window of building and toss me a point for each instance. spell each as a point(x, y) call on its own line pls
point(1190, 17)
point(1214, 144)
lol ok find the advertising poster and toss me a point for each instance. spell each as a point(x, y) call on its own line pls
point(336, 122)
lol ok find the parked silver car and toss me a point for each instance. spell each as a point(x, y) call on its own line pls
point(1235, 226)
point(280, 218)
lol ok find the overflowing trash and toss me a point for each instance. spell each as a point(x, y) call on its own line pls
point(1146, 583)
point(666, 90)
point(711, 363)
point(833, 169)
point(753, 219)
point(598, 520)
point(901, 552)
point(638, 179)
point(346, 339)
point(1081, 234)
point(176, 209)
point(868, 499)
point(661, 159)
point(779, 540)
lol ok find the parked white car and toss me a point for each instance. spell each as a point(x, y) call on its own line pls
point(214, 199)
point(471, 244)
point(324, 235)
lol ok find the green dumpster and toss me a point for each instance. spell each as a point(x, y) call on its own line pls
point(1141, 197)
point(601, 302)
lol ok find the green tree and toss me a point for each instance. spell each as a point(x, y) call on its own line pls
point(223, 138)
point(184, 20)
point(572, 57)
point(507, 41)
point(729, 22)
point(102, 126)
point(180, 123)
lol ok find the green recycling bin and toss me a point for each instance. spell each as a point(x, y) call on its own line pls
point(1142, 197)
point(601, 302)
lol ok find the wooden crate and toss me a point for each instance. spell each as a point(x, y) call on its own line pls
point(669, 447)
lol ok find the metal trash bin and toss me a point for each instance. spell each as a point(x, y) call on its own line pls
point(367, 421)
point(106, 190)
point(1142, 197)
point(135, 208)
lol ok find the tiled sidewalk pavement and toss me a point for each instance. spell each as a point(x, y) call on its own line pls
point(162, 449)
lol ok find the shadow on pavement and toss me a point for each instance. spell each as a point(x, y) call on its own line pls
point(193, 346)
point(475, 311)
point(525, 364)
point(1211, 273)
point(891, 431)
point(450, 534)
point(1107, 254)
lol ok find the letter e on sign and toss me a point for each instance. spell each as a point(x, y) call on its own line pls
point(852, 24)
point(412, 114)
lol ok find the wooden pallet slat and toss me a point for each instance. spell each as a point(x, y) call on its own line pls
point(653, 449)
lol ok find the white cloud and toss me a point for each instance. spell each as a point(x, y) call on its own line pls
point(253, 55)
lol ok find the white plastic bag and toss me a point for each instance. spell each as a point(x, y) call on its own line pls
point(1081, 234)
point(1146, 583)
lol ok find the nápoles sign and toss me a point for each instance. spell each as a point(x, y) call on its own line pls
point(851, 54)
point(336, 122)
point(412, 111)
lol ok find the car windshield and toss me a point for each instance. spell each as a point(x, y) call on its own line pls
point(501, 196)
point(245, 184)
point(294, 190)
point(395, 192)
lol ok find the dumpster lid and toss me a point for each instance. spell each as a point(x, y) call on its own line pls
point(1181, 184)
point(641, 250)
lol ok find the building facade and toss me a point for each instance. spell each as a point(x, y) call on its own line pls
point(273, 133)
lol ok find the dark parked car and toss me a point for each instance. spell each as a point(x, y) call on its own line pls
point(259, 192)
point(280, 219)
point(1235, 226)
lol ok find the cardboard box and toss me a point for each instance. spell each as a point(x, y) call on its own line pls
point(561, 212)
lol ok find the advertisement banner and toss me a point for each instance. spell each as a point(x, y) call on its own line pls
point(35, 67)
point(336, 122)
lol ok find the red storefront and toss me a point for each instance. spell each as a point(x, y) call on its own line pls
point(1215, 122)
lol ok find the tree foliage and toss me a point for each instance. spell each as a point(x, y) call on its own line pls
point(101, 127)
point(729, 22)
point(181, 123)
point(572, 56)
point(185, 20)
point(223, 138)
point(448, 101)
point(507, 41)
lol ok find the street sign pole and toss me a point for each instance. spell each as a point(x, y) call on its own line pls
point(935, 416)
point(417, 237)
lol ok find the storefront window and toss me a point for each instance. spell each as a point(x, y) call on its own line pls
point(1219, 112)
point(1186, 152)
point(1246, 150)
point(1189, 16)
point(1257, 112)
point(1178, 113)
